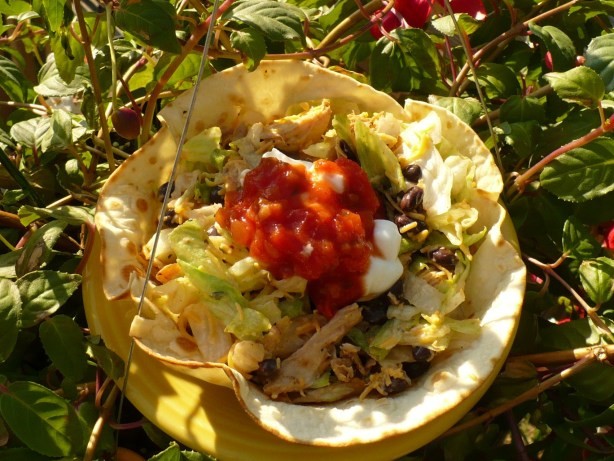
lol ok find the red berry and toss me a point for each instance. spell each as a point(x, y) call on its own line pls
point(389, 22)
point(548, 61)
point(127, 123)
point(415, 12)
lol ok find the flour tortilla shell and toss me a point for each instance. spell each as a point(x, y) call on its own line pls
point(128, 211)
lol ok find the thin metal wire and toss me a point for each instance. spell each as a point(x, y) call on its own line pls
point(203, 64)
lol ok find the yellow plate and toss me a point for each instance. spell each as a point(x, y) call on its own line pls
point(208, 418)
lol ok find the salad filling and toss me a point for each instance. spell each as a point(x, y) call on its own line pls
point(322, 255)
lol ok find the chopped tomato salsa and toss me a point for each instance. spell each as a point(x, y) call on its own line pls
point(316, 223)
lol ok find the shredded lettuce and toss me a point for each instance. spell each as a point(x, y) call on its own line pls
point(454, 222)
point(204, 149)
point(376, 158)
point(227, 303)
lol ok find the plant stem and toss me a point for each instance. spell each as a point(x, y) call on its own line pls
point(592, 313)
point(508, 35)
point(105, 413)
point(567, 356)
point(525, 396)
point(521, 449)
point(350, 21)
point(198, 33)
point(110, 31)
point(521, 180)
point(87, 47)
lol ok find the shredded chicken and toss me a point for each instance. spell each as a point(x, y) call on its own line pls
point(331, 393)
point(288, 335)
point(303, 367)
point(297, 132)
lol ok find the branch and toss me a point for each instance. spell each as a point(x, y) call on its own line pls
point(198, 33)
point(525, 396)
point(104, 125)
point(521, 180)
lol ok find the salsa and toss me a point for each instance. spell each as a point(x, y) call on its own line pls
point(315, 222)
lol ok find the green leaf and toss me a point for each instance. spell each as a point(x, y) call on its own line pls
point(559, 44)
point(578, 241)
point(54, 13)
point(250, 43)
point(68, 54)
point(570, 335)
point(521, 136)
point(7, 264)
point(605, 418)
point(43, 293)
point(466, 23)
point(597, 277)
point(152, 21)
point(497, 80)
point(14, 8)
point(594, 382)
point(21, 454)
point(51, 84)
point(277, 21)
point(39, 248)
point(43, 421)
point(408, 63)
point(12, 80)
point(172, 453)
point(10, 310)
point(19, 178)
point(63, 342)
point(520, 109)
point(59, 134)
point(600, 57)
point(581, 85)
point(109, 361)
point(582, 173)
point(188, 68)
point(467, 109)
point(73, 215)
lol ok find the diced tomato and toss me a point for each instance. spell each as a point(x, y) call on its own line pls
point(317, 224)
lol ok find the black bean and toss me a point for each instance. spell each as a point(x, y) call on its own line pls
point(414, 370)
point(396, 385)
point(422, 354)
point(215, 195)
point(403, 220)
point(412, 199)
point(412, 173)
point(169, 214)
point(347, 150)
point(162, 191)
point(374, 311)
point(267, 370)
point(444, 257)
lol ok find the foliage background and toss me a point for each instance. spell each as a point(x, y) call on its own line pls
point(81, 83)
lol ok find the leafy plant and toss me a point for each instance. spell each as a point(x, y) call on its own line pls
point(535, 78)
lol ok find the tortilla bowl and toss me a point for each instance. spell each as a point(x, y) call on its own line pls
point(129, 210)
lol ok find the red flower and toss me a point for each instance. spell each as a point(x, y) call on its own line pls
point(608, 235)
point(415, 13)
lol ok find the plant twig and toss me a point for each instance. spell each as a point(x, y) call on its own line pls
point(508, 35)
point(104, 125)
point(199, 32)
point(105, 413)
point(525, 396)
point(522, 179)
point(567, 356)
point(592, 313)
